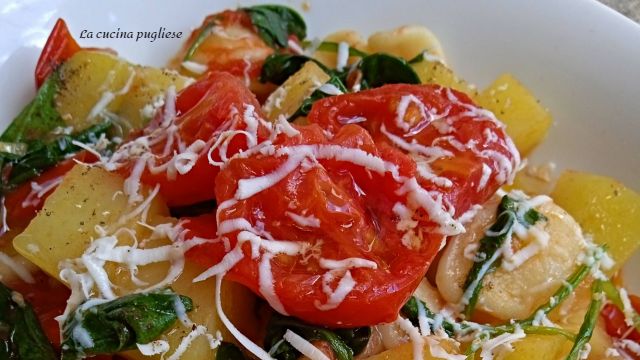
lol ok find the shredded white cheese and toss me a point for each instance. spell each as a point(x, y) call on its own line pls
point(39, 190)
point(626, 307)
point(194, 67)
point(252, 347)
point(335, 297)
point(156, 347)
point(627, 344)
point(22, 271)
point(304, 221)
point(348, 263)
point(306, 348)
point(342, 57)
point(414, 335)
point(502, 341)
point(186, 341)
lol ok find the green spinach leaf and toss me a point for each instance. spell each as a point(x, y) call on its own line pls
point(275, 23)
point(117, 325)
point(345, 343)
point(316, 95)
point(42, 155)
point(21, 335)
point(228, 351)
point(410, 311)
point(381, 69)
point(278, 68)
point(39, 117)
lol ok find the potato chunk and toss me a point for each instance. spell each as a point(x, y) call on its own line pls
point(85, 78)
point(90, 197)
point(430, 352)
point(94, 83)
point(287, 98)
point(406, 42)
point(351, 37)
point(435, 72)
point(606, 210)
point(527, 121)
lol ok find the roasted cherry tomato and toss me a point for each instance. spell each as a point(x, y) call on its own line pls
point(336, 226)
point(615, 321)
point(228, 42)
point(60, 46)
point(202, 111)
point(445, 133)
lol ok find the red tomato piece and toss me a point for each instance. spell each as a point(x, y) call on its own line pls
point(615, 320)
point(426, 120)
point(203, 226)
point(352, 225)
point(59, 47)
point(346, 193)
point(214, 104)
point(233, 46)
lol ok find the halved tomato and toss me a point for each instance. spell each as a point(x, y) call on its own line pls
point(59, 47)
point(337, 225)
point(205, 109)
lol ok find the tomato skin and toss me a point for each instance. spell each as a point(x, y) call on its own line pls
point(354, 206)
point(204, 109)
point(60, 46)
point(203, 226)
point(615, 320)
point(355, 226)
point(379, 106)
point(235, 47)
point(19, 216)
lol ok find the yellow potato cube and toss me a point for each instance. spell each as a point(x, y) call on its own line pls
point(87, 79)
point(605, 209)
point(527, 121)
point(534, 347)
point(149, 86)
point(405, 351)
point(96, 82)
point(287, 98)
point(435, 72)
point(351, 37)
point(406, 42)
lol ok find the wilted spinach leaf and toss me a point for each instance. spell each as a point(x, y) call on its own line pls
point(381, 69)
point(228, 351)
point(119, 324)
point(41, 155)
point(39, 117)
point(345, 343)
point(275, 23)
point(20, 332)
point(278, 68)
point(316, 95)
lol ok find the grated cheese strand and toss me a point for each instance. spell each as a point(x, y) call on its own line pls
point(252, 347)
point(337, 296)
point(22, 271)
point(306, 348)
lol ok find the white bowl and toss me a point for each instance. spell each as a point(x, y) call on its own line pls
point(579, 57)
